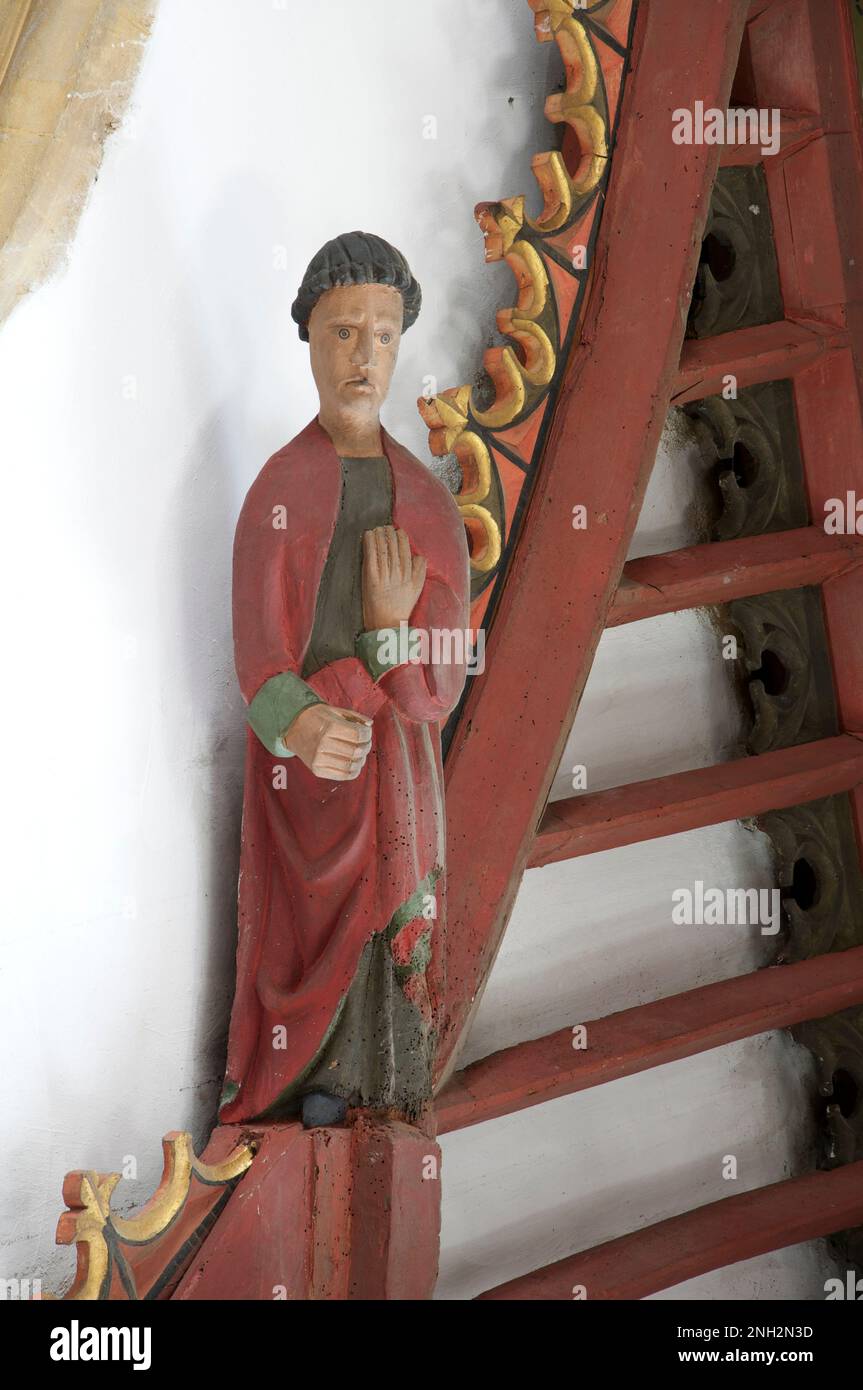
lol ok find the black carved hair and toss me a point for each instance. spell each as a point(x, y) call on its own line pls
point(356, 258)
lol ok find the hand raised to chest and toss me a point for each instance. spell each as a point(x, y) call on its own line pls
point(392, 578)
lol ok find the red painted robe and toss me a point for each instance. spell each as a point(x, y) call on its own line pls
point(324, 864)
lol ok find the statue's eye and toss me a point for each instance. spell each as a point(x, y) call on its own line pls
point(344, 334)
point(386, 339)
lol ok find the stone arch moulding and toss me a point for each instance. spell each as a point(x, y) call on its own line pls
point(66, 75)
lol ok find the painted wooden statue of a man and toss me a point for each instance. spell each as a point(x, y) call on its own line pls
point(344, 539)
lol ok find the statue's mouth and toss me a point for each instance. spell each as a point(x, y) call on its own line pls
point(359, 383)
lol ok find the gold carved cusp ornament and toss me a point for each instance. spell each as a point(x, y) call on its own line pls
point(521, 371)
point(89, 1222)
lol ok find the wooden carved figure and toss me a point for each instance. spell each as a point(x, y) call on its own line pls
point(350, 610)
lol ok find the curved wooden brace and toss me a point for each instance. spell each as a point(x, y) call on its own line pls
point(548, 259)
point(91, 1225)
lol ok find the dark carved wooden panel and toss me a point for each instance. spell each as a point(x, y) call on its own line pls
point(786, 668)
point(758, 477)
point(837, 1046)
point(818, 873)
point(737, 284)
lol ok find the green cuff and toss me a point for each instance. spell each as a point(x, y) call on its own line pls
point(384, 648)
point(276, 706)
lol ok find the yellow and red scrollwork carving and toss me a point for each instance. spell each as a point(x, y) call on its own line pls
point(496, 430)
point(109, 1246)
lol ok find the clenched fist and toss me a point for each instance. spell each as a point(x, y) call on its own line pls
point(392, 578)
point(333, 743)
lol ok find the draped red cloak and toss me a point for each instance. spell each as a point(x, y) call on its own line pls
point(325, 864)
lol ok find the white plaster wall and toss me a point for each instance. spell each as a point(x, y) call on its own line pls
point(659, 699)
point(677, 509)
point(140, 393)
point(533, 1187)
point(593, 935)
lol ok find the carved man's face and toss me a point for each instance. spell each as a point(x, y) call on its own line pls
point(354, 336)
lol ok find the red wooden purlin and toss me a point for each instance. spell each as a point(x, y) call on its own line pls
point(704, 796)
point(725, 570)
point(649, 1036)
point(796, 129)
point(752, 355)
point(710, 1237)
point(599, 452)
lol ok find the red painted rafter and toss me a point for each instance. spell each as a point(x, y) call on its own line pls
point(600, 449)
point(723, 570)
point(704, 796)
point(802, 55)
point(649, 1036)
point(710, 1237)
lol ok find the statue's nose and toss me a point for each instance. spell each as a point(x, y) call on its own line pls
point(364, 356)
